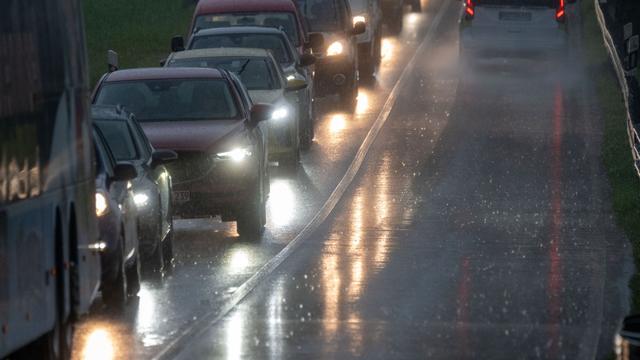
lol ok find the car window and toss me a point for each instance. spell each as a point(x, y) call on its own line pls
point(246, 98)
point(143, 141)
point(104, 159)
point(272, 42)
point(284, 21)
point(546, 3)
point(254, 73)
point(171, 99)
point(359, 6)
point(119, 139)
point(321, 15)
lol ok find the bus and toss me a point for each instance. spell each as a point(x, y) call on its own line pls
point(49, 260)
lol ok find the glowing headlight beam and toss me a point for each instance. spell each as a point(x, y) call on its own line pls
point(235, 155)
point(141, 199)
point(102, 206)
point(336, 48)
point(280, 113)
point(359, 18)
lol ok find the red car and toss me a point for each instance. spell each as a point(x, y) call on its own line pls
point(205, 116)
point(281, 14)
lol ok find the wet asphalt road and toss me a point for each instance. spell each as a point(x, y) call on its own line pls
point(479, 226)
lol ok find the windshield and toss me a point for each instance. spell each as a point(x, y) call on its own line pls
point(255, 73)
point(321, 15)
point(119, 139)
point(272, 42)
point(171, 100)
point(280, 20)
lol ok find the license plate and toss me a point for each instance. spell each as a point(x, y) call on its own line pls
point(515, 16)
point(181, 196)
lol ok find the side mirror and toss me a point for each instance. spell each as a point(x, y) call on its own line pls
point(296, 84)
point(124, 172)
point(177, 43)
point(359, 28)
point(112, 61)
point(316, 42)
point(260, 112)
point(161, 157)
point(307, 60)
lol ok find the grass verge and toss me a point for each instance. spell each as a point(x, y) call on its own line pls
point(139, 31)
point(616, 153)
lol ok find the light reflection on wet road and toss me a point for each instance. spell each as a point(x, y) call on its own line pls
point(478, 227)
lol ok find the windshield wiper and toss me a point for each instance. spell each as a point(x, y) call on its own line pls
point(243, 67)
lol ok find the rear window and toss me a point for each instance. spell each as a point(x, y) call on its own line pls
point(272, 42)
point(119, 139)
point(540, 3)
point(255, 73)
point(280, 20)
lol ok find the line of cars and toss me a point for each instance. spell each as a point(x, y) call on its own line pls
point(195, 136)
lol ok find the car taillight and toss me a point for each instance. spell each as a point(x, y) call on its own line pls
point(469, 9)
point(560, 12)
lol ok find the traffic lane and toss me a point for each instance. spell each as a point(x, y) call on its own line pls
point(211, 262)
point(480, 227)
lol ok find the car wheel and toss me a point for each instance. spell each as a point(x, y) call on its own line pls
point(114, 291)
point(367, 62)
point(306, 125)
point(349, 96)
point(395, 24)
point(251, 219)
point(167, 250)
point(416, 6)
point(133, 277)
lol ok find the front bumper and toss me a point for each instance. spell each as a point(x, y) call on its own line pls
point(214, 188)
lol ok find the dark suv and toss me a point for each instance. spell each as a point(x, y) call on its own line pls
point(207, 118)
point(337, 66)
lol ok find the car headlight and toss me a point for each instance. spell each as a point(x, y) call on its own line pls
point(102, 205)
point(359, 18)
point(237, 155)
point(336, 48)
point(141, 199)
point(280, 113)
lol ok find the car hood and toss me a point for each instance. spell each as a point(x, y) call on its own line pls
point(191, 135)
point(266, 96)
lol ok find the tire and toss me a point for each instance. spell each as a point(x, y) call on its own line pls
point(251, 220)
point(114, 292)
point(167, 250)
point(306, 129)
point(154, 264)
point(348, 97)
point(133, 277)
point(367, 62)
point(416, 6)
point(395, 24)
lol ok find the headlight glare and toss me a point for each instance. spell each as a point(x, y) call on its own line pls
point(141, 199)
point(336, 48)
point(359, 18)
point(102, 205)
point(280, 113)
point(235, 155)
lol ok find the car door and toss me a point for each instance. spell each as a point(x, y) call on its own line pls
point(259, 133)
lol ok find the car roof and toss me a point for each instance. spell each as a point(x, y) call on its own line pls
point(225, 6)
point(164, 73)
point(221, 52)
point(240, 30)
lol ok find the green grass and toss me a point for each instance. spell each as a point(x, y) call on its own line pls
point(617, 156)
point(139, 31)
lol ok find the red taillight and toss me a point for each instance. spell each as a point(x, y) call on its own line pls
point(469, 9)
point(560, 13)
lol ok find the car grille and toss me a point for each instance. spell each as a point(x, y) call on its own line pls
point(189, 166)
